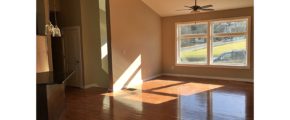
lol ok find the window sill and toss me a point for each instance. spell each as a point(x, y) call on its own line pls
point(212, 66)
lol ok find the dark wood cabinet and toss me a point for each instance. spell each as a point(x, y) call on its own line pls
point(50, 97)
point(50, 101)
point(50, 89)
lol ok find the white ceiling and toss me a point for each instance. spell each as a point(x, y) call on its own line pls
point(169, 7)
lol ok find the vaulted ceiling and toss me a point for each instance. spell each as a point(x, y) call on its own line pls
point(169, 7)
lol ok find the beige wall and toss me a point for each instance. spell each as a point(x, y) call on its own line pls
point(168, 46)
point(84, 13)
point(93, 71)
point(136, 42)
point(138, 52)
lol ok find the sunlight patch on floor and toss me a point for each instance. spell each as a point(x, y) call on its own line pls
point(188, 88)
point(160, 91)
point(154, 84)
point(139, 96)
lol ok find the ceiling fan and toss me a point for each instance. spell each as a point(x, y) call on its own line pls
point(197, 8)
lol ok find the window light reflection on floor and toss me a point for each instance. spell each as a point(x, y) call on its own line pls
point(162, 93)
point(188, 88)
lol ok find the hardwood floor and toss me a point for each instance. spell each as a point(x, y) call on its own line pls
point(164, 98)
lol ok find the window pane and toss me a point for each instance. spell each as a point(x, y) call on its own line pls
point(230, 27)
point(193, 51)
point(193, 29)
point(229, 51)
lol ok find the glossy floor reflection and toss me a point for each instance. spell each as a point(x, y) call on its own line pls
point(165, 98)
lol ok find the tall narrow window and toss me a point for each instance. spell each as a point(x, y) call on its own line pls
point(229, 43)
point(215, 43)
point(192, 43)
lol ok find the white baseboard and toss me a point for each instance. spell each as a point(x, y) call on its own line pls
point(152, 77)
point(184, 75)
point(210, 77)
point(90, 86)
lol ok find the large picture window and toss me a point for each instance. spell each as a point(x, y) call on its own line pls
point(215, 43)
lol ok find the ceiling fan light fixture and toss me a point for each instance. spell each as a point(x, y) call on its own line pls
point(196, 8)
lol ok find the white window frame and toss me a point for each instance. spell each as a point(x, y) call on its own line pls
point(209, 42)
point(192, 36)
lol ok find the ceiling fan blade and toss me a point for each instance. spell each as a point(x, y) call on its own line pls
point(207, 9)
point(183, 9)
point(188, 6)
point(206, 6)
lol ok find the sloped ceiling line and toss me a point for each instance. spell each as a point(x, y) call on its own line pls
point(168, 7)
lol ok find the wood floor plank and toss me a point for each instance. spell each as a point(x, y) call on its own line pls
point(164, 98)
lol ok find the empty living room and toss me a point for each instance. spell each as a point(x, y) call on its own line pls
point(146, 60)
